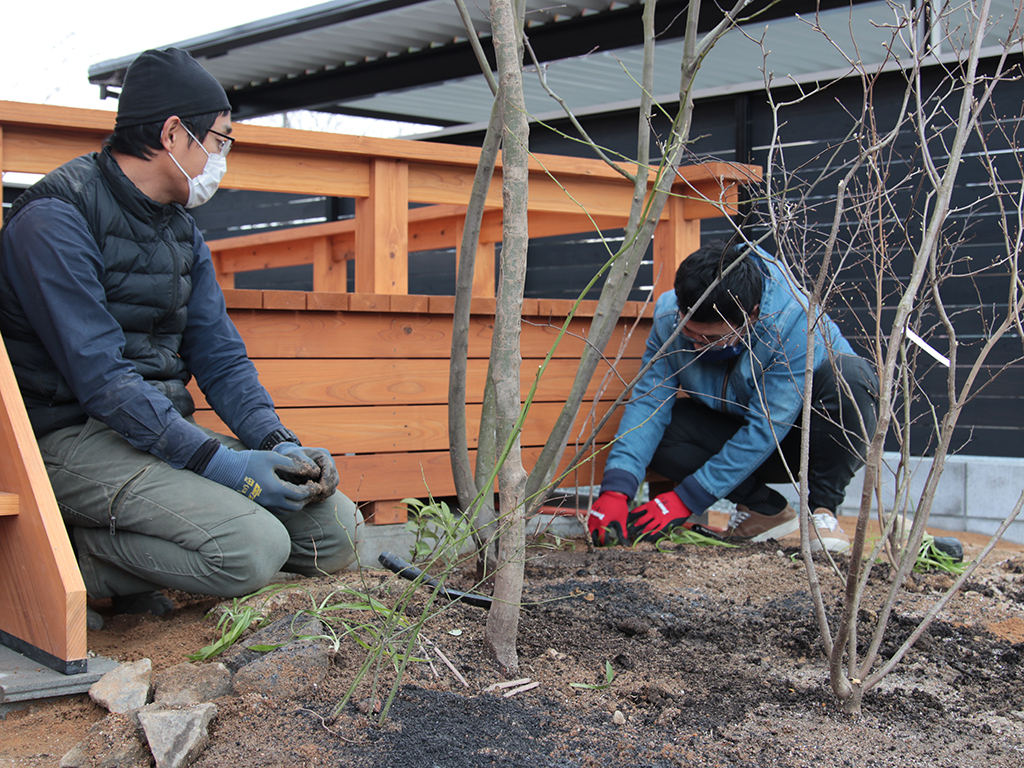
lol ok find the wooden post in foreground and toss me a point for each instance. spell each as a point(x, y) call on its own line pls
point(42, 597)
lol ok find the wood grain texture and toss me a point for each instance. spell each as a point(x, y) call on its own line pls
point(317, 383)
point(421, 474)
point(385, 512)
point(38, 138)
point(42, 597)
point(380, 335)
point(675, 238)
point(380, 429)
point(382, 230)
point(9, 503)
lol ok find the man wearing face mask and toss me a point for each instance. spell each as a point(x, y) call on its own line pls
point(719, 410)
point(108, 306)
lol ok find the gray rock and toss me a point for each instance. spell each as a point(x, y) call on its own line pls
point(187, 684)
point(123, 689)
point(282, 631)
point(177, 736)
point(289, 671)
point(76, 757)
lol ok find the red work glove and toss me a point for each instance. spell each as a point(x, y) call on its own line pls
point(607, 519)
point(657, 517)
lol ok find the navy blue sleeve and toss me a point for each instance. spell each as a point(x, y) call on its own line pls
point(54, 265)
point(215, 354)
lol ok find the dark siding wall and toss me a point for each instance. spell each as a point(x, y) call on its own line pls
point(814, 132)
point(975, 279)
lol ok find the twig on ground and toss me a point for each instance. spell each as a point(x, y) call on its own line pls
point(440, 655)
point(520, 689)
point(506, 684)
point(323, 722)
point(431, 663)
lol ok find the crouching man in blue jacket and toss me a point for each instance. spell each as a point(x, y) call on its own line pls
point(719, 410)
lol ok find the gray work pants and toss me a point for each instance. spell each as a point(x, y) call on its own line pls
point(139, 525)
point(844, 397)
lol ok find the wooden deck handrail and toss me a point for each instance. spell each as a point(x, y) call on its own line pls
point(384, 176)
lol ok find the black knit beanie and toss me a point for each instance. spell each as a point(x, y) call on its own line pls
point(159, 84)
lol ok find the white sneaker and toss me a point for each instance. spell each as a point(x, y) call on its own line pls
point(827, 533)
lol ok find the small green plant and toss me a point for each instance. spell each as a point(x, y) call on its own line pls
point(440, 533)
point(609, 676)
point(234, 621)
point(682, 535)
point(552, 541)
point(247, 611)
point(931, 558)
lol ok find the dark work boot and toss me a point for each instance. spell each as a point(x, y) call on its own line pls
point(142, 602)
point(93, 621)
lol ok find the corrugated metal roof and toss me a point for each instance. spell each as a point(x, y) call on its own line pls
point(344, 33)
point(410, 60)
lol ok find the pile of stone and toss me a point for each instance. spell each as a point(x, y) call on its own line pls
point(165, 718)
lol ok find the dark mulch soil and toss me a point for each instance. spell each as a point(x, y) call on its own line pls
point(717, 662)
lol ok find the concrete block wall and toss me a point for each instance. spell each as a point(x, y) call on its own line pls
point(975, 493)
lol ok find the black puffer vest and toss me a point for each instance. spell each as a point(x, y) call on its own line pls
point(147, 254)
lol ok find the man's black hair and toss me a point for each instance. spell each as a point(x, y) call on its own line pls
point(143, 141)
point(734, 298)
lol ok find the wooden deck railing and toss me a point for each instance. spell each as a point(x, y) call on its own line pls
point(567, 195)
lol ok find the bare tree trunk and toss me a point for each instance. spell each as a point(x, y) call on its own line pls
point(474, 487)
point(506, 358)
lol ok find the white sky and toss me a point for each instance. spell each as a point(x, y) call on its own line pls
point(46, 48)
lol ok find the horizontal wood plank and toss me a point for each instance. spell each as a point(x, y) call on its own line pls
point(389, 335)
point(8, 503)
point(421, 304)
point(309, 383)
point(375, 429)
point(418, 475)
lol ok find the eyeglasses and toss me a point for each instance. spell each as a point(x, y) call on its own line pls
point(710, 340)
point(225, 145)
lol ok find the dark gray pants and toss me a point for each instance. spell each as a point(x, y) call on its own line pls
point(139, 525)
point(843, 419)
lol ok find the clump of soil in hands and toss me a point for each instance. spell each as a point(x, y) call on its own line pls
point(310, 476)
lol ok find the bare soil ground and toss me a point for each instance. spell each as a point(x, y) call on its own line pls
point(716, 657)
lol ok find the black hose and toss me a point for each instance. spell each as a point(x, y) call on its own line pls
point(407, 570)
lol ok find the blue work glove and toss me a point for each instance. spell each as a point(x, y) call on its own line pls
point(260, 476)
point(606, 522)
point(652, 520)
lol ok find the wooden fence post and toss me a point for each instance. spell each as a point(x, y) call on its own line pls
point(42, 596)
point(382, 230)
point(675, 238)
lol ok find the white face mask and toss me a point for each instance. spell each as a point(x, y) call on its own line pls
point(202, 187)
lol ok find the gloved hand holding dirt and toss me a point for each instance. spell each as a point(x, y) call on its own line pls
point(314, 469)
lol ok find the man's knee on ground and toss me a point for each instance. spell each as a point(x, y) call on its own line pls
point(251, 568)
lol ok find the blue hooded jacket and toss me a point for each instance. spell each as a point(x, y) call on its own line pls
point(763, 386)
